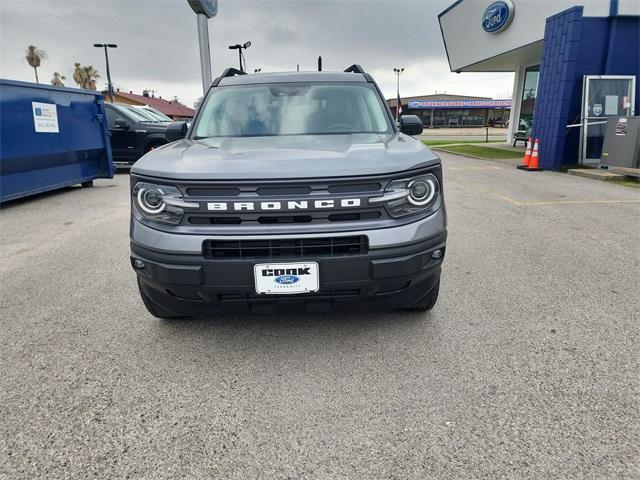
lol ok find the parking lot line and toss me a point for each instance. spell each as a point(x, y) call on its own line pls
point(534, 203)
point(487, 167)
point(486, 190)
point(579, 202)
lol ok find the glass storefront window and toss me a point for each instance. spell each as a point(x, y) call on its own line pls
point(529, 94)
point(458, 118)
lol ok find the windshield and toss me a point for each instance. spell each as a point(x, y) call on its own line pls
point(158, 115)
point(138, 115)
point(292, 109)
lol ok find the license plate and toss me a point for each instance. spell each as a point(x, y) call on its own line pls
point(279, 278)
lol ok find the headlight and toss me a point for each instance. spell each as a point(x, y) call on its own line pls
point(150, 200)
point(160, 203)
point(410, 196)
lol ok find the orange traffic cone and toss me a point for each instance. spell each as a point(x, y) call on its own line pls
point(534, 163)
point(527, 156)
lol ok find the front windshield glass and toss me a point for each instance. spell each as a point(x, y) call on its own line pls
point(137, 114)
point(156, 114)
point(292, 109)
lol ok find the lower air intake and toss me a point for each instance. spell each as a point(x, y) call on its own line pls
point(286, 248)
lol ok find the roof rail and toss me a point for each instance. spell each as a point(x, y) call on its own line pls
point(355, 68)
point(229, 72)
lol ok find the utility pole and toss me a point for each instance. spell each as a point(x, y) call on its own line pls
point(106, 58)
point(398, 72)
point(204, 9)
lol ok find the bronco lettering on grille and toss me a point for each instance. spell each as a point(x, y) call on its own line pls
point(279, 206)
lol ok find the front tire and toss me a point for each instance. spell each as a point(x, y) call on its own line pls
point(155, 309)
point(427, 302)
point(152, 146)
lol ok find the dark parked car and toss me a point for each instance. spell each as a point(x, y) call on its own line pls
point(133, 132)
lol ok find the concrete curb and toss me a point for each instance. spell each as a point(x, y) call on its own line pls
point(601, 175)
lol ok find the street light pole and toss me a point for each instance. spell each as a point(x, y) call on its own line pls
point(106, 57)
point(398, 72)
point(240, 47)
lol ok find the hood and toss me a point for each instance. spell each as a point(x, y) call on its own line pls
point(155, 126)
point(278, 157)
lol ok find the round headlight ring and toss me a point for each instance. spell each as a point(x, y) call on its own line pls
point(424, 198)
point(149, 207)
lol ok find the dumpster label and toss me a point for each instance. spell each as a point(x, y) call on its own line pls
point(621, 126)
point(45, 117)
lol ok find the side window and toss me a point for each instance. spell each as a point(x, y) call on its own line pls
point(112, 116)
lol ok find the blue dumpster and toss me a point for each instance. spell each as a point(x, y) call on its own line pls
point(50, 137)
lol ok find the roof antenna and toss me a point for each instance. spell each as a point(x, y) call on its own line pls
point(319, 64)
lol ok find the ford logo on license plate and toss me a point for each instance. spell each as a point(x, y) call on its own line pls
point(287, 279)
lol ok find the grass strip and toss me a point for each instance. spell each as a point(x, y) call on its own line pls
point(481, 152)
point(436, 143)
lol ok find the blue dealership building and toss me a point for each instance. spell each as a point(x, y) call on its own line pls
point(576, 63)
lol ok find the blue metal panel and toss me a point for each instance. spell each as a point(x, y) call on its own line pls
point(32, 161)
point(575, 46)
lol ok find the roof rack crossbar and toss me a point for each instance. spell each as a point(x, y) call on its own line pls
point(229, 72)
point(355, 68)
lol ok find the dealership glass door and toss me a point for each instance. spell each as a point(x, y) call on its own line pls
point(603, 96)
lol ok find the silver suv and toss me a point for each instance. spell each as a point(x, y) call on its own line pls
point(288, 192)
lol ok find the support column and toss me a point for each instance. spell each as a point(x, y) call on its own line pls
point(516, 101)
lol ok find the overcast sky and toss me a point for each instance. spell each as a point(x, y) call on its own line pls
point(158, 49)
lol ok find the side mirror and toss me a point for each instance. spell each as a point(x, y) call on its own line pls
point(121, 124)
point(411, 125)
point(176, 131)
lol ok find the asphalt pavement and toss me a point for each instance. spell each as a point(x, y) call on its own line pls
point(528, 366)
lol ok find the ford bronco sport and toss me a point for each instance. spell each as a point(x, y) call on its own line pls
point(288, 192)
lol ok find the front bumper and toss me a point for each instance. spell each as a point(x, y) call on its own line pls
point(392, 277)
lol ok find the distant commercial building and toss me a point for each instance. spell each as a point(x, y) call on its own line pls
point(170, 108)
point(444, 110)
point(576, 62)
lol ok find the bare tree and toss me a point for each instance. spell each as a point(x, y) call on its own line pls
point(34, 57)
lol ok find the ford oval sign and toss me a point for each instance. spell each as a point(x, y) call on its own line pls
point(497, 16)
point(287, 279)
point(204, 7)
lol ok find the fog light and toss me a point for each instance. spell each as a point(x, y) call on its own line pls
point(437, 254)
point(138, 264)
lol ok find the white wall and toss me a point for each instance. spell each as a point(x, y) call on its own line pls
point(467, 43)
point(628, 7)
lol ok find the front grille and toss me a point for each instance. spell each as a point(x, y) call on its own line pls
point(284, 218)
point(285, 248)
point(303, 194)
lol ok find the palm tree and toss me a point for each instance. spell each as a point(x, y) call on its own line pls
point(57, 80)
point(86, 76)
point(78, 74)
point(34, 57)
point(90, 75)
